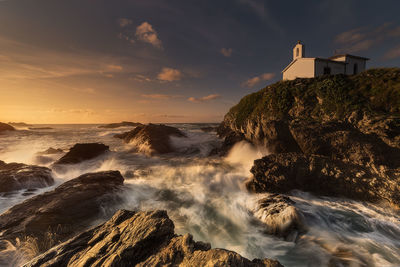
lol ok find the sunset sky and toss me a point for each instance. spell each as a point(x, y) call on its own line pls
point(98, 61)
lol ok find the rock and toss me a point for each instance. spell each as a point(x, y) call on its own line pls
point(54, 216)
point(230, 140)
point(82, 152)
point(5, 127)
point(152, 138)
point(281, 173)
point(16, 176)
point(280, 216)
point(347, 128)
point(120, 124)
point(139, 239)
point(342, 141)
point(51, 151)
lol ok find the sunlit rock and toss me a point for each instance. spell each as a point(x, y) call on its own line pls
point(152, 138)
point(140, 239)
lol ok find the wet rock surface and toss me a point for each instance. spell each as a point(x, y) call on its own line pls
point(16, 176)
point(82, 152)
point(281, 173)
point(140, 239)
point(152, 138)
point(59, 214)
point(6, 127)
point(280, 216)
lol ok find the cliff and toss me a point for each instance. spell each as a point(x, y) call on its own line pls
point(339, 133)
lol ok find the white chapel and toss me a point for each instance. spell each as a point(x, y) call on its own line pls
point(309, 67)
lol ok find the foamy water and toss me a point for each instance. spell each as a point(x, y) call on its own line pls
point(205, 196)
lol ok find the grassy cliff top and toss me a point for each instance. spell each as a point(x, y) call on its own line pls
point(376, 91)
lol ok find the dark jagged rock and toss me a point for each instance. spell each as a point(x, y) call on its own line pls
point(140, 239)
point(281, 173)
point(152, 138)
point(280, 216)
point(16, 176)
point(5, 127)
point(82, 152)
point(230, 140)
point(329, 123)
point(62, 212)
point(120, 124)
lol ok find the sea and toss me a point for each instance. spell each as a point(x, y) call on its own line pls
point(205, 196)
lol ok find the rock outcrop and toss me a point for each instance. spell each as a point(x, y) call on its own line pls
point(82, 152)
point(16, 176)
point(280, 216)
point(51, 151)
point(152, 138)
point(59, 214)
point(332, 135)
point(140, 239)
point(6, 127)
point(120, 124)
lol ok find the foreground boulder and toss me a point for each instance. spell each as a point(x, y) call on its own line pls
point(152, 138)
point(16, 176)
point(6, 127)
point(280, 216)
point(281, 173)
point(140, 239)
point(120, 124)
point(57, 215)
point(82, 152)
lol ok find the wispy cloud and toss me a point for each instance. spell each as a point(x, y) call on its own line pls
point(365, 38)
point(146, 33)
point(226, 52)
point(204, 98)
point(257, 79)
point(170, 75)
point(123, 22)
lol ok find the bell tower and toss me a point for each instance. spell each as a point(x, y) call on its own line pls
point(299, 51)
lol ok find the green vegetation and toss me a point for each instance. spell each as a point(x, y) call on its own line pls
point(375, 91)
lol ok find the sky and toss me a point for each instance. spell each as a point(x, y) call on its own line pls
point(101, 61)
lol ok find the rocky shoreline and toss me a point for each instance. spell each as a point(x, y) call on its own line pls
point(319, 145)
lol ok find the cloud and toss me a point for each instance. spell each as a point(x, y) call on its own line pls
point(146, 33)
point(256, 80)
point(160, 96)
point(115, 67)
point(141, 78)
point(204, 98)
point(123, 22)
point(393, 53)
point(227, 52)
point(169, 75)
point(127, 37)
point(364, 38)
